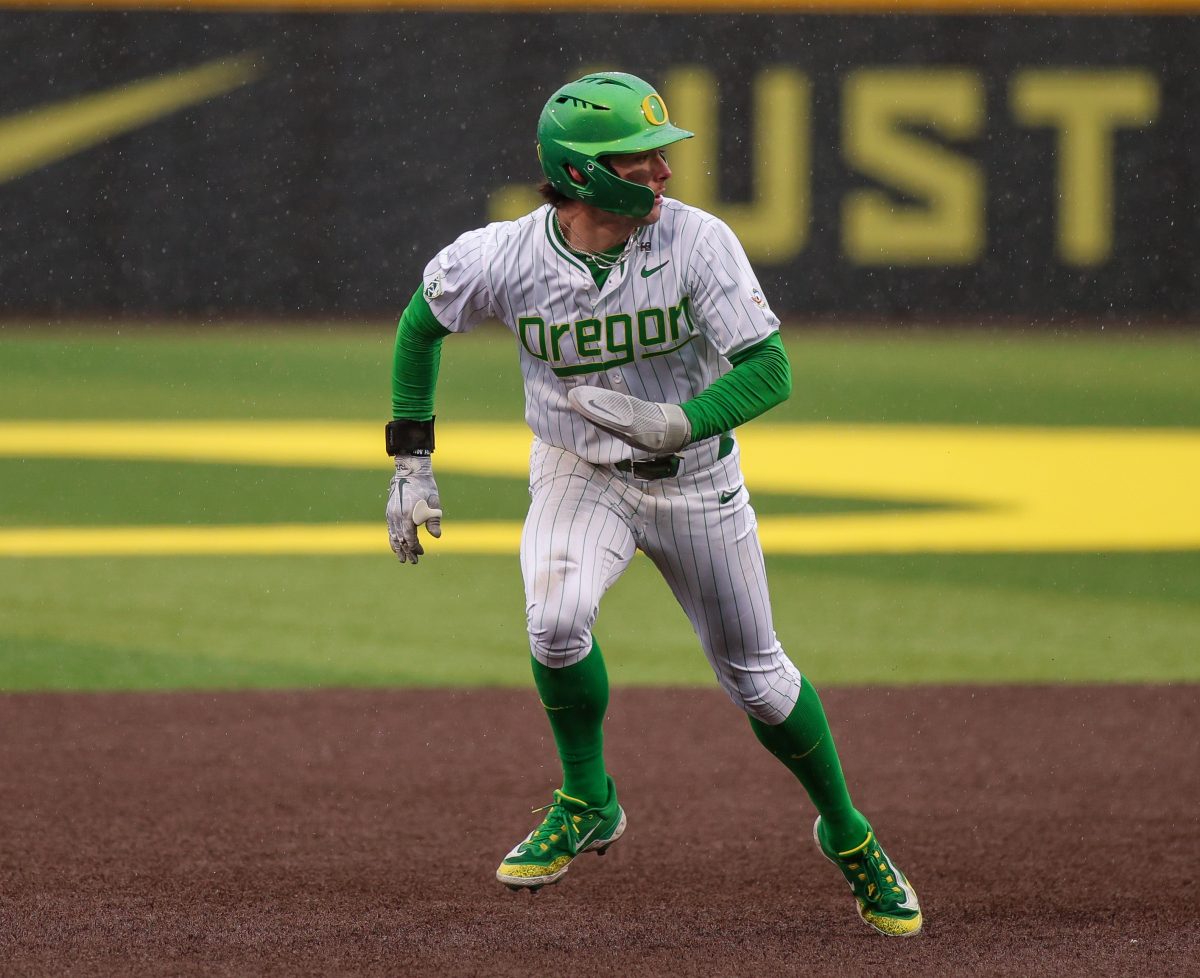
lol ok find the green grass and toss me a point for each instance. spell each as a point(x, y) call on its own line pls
point(145, 493)
point(229, 622)
point(979, 377)
point(144, 623)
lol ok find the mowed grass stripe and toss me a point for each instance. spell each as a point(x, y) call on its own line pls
point(912, 376)
point(278, 622)
point(47, 492)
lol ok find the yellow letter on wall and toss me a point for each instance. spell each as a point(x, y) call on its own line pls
point(1085, 107)
point(946, 224)
point(773, 227)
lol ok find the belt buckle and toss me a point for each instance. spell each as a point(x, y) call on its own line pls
point(663, 467)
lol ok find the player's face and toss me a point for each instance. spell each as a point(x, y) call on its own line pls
point(649, 168)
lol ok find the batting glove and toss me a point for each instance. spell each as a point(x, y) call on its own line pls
point(412, 500)
point(648, 425)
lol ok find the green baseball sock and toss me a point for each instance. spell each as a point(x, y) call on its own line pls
point(575, 699)
point(804, 743)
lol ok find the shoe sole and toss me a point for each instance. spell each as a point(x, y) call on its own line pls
point(861, 916)
point(535, 883)
point(888, 933)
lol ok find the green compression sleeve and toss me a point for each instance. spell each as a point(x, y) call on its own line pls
point(760, 379)
point(415, 360)
point(576, 699)
point(804, 743)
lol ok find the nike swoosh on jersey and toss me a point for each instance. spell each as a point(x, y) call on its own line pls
point(726, 496)
point(647, 272)
point(37, 137)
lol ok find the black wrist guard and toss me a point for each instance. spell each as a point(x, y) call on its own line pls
point(406, 437)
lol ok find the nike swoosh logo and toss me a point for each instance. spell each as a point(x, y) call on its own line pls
point(605, 413)
point(726, 496)
point(583, 839)
point(910, 895)
point(647, 272)
point(38, 137)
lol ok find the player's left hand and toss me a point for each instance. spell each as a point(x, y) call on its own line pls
point(412, 500)
point(648, 425)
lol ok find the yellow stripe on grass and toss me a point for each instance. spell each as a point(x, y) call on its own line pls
point(1006, 489)
point(284, 538)
point(1018, 489)
point(486, 449)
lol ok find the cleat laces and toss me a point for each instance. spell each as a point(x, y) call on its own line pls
point(557, 826)
point(874, 879)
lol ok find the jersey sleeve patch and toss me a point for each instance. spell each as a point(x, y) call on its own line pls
point(455, 282)
point(435, 286)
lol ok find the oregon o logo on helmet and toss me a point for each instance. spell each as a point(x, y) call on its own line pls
point(652, 107)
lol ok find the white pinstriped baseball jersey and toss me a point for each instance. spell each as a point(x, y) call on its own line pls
point(659, 329)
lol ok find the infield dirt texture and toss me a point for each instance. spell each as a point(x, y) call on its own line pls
point(1050, 831)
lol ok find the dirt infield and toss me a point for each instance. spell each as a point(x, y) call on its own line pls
point(1049, 831)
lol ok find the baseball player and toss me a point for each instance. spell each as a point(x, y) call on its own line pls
point(644, 341)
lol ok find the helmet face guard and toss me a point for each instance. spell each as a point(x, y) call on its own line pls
point(609, 113)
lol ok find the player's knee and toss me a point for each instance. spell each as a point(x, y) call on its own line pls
point(557, 641)
point(764, 686)
point(771, 706)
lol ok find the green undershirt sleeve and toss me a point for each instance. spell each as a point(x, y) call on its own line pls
point(760, 379)
point(415, 360)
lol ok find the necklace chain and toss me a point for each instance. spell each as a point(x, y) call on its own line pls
point(601, 261)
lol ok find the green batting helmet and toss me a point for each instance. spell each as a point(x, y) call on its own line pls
point(600, 115)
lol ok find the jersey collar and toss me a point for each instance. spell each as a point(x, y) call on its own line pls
point(560, 246)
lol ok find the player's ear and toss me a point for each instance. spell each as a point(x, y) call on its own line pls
point(575, 174)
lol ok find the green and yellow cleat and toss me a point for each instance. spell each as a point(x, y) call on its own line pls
point(886, 900)
point(569, 829)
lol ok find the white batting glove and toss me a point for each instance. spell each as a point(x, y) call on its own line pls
point(412, 500)
point(648, 425)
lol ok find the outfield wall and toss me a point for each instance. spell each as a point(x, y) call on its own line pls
point(876, 166)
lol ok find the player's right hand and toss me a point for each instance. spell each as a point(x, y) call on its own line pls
point(412, 500)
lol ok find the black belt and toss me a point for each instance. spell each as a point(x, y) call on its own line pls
point(666, 466)
point(663, 467)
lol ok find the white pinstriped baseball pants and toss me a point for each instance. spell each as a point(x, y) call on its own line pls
point(584, 525)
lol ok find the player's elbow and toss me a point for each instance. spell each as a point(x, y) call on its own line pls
point(783, 377)
point(785, 385)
